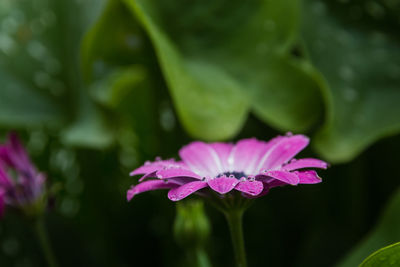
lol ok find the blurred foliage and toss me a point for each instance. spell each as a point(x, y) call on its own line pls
point(387, 256)
point(386, 232)
point(96, 87)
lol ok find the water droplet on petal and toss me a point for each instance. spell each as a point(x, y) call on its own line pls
point(147, 163)
point(158, 159)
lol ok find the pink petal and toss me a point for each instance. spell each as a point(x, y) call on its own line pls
point(223, 184)
point(202, 159)
point(150, 167)
point(185, 190)
point(308, 177)
point(305, 163)
point(148, 186)
point(252, 188)
point(284, 150)
point(176, 172)
point(284, 176)
point(5, 181)
point(223, 151)
point(246, 155)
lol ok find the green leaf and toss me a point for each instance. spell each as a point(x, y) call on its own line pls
point(360, 61)
point(221, 59)
point(386, 232)
point(387, 256)
point(112, 90)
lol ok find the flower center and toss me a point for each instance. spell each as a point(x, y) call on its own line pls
point(237, 175)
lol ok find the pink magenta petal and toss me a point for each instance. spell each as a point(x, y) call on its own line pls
point(308, 177)
point(150, 167)
point(305, 163)
point(176, 172)
point(202, 159)
point(284, 150)
point(246, 155)
point(252, 188)
point(223, 151)
point(223, 184)
point(284, 176)
point(148, 186)
point(185, 190)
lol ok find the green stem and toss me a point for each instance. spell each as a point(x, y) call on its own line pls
point(234, 218)
point(45, 243)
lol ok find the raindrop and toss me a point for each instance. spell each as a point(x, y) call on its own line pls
point(6, 43)
point(231, 176)
point(346, 73)
point(9, 25)
point(70, 207)
point(10, 246)
point(289, 134)
point(133, 41)
point(319, 8)
point(48, 18)
point(269, 25)
point(52, 65)
point(350, 94)
point(147, 163)
point(374, 9)
point(42, 79)
point(167, 118)
point(158, 159)
point(36, 49)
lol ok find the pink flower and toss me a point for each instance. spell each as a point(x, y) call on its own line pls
point(20, 183)
point(250, 166)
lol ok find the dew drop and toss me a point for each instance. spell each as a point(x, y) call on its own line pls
point(158, 159)
point(350, 94)
point(147, 163)
point(346, 73)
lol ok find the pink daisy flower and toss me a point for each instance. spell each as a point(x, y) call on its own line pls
point(250, 166)
point(21, 185)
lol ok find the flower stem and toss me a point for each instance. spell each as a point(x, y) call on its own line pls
point(234, 218)
point(45, 243)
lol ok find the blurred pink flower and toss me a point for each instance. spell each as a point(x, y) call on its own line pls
point(250, 166)
point(21, 185)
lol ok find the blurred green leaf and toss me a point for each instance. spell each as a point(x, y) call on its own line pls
point(386, 232)
point(39, 59)
point(222, 59)
point(117, 85)
point(361, 66)
point(387, 256)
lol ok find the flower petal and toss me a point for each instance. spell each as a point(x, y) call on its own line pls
point(148, 186)
point(252, 188)
point(223, 151)
point(5, 181)
point(150, 167)
point(185, 190)
point(246, 155)
point(284, 176)
point(176, 172)
point(222, 184)
point(202, 159)
point(284, 150)
point(305, 163)
point(308, 177)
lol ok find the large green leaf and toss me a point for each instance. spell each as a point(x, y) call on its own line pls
point(387, 256)
point(222, 59)
point(385, 233)
point(360, 60)
point(39, 69)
